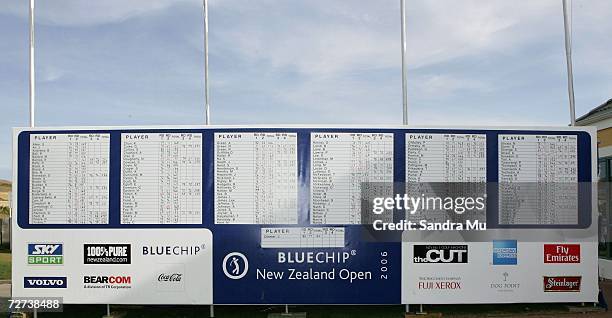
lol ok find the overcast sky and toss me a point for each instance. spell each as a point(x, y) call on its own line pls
point(140, 62)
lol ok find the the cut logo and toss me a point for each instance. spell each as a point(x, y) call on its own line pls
point(440, 254)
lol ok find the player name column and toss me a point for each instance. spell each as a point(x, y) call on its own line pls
point(161, 178)
point(446, 158)
point(256, 178)
point(340, 164)
point(538, 179)
point(69, 178)
point(435, 162)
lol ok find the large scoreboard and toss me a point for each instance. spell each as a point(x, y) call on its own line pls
point(274, 215)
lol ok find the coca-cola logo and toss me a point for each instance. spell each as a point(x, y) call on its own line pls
point(174, 277)
point(170, 277)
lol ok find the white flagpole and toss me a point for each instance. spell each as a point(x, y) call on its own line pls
point(206, 84)
point(404, 91)
point(568, 58)
point(404, 88)
point(32, 78)
point(206, 93)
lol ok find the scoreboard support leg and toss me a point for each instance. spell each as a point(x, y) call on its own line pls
point(108, 310)
point(421, 312)
point(212, 311)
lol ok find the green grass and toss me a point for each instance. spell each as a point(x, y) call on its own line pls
point(230, 311)
point(349, 311)
point(5, 264)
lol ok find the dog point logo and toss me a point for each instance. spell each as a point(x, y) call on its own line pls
point(235, 265)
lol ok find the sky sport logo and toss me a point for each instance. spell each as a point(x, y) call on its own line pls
point(440, 254)
point(46, 254)
point(44, 282)
point(562, 253)
point(505, 252)
point(562, 283)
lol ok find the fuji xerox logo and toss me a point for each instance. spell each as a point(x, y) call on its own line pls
point(437, 254)
point(505, 252)
point(561, 253)
point(46, 254)
point(235, 265)
point(439, 283)
point(44, 282)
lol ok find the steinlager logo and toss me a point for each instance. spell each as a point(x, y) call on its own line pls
point(46, 254)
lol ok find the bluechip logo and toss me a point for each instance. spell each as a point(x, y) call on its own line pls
point(505, 252)
point(45, 254)
point(44, 282)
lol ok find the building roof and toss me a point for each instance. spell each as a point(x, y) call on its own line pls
point(601, 112)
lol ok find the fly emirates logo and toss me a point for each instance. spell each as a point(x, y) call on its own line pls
point(561, 253)
point(313, 266)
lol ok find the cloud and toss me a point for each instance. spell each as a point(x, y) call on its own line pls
point(345, 55)
point(480, 62)
point(446, 85)
point(339, 36)
point(86, 13)
point(50, 74)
